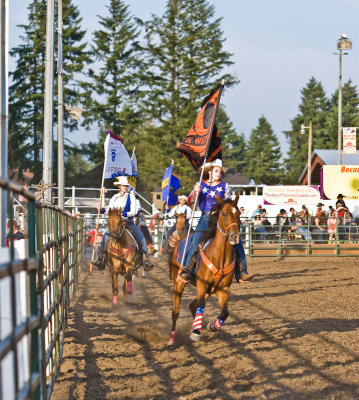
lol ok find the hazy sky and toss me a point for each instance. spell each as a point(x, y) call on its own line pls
point(277, 46)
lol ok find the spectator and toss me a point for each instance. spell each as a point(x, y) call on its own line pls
point(303, 214)
point(320, 224)
point(15, 234)
point(265, 221)
point(292, 215)
point(258, 211)
point(350, 226)
point(243, 217)
point(282, 221)
point(330, 209)
point(258, 227)
point(298, 227)
point(340, 201)
point(332, 225)
point(91, 236)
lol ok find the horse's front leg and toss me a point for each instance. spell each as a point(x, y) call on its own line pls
point(198, 318)
point(127, 284)
point(178, 288)
point(223, 297)
point(114, 281)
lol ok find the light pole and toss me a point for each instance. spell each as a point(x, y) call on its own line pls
point(302, 132)
point(343, 44)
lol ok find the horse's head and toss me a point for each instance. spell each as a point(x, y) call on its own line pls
point(180, 223)
point(115, 221)
point(228, 218)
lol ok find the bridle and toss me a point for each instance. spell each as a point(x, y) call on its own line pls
point(224, 231)
point(117, 236)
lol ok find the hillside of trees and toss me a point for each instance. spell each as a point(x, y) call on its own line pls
point(144, 81)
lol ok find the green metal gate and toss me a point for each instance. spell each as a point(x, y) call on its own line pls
point(37, 290)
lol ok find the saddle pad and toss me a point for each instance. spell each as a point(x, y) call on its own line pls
point(180, 250)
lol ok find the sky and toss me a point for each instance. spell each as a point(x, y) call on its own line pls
point(277, 46)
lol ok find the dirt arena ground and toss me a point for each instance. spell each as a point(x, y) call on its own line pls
point(292, 333)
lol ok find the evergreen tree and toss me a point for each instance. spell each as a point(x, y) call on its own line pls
point(234, 146)
point(313, 107)
point(350, 113)
point(185, 61)
point(263, 155)
point(26, 93)
point(113, 89)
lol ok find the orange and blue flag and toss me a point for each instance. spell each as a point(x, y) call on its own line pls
point(203, 140)
point(170, 184)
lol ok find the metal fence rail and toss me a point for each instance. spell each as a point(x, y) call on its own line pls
point(35, 296)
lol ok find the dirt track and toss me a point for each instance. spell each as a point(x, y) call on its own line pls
point(292, 333)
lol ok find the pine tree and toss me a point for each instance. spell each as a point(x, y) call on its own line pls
point(263, 155)
point(185, 61)
point(113, 89)
point(26, 93)
point(234, 146)
point(313, 107)
point(350, 113)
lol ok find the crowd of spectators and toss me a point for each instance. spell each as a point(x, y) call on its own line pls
point(323, 226)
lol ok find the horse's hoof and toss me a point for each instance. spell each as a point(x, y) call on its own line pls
point(195, 336)
point(114, 300)
point(209, 327)
point(144, 274)
point(128, 296)
point(171, 340)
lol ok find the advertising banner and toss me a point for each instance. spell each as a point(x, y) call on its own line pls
point(341, 179)
point(291, 195)
point(349, 140)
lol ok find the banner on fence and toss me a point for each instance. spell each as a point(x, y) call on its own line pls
point(349, 140)
point(341, 179)
point(277, 195)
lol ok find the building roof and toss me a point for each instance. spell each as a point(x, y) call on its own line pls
point(328, 157)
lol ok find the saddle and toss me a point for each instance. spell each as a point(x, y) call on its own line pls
point(123, 255)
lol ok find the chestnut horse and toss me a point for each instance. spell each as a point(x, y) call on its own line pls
point(216, 269)
point(122, 254)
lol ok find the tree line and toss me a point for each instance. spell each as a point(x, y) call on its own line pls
point(144, 80)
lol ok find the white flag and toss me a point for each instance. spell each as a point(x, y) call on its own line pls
point(134, 163)
point(117, 160)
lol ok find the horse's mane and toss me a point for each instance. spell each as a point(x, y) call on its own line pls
point(213, 219)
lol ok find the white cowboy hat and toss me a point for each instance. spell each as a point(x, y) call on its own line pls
point(183, 197)
point(121, 180)
point(215, 163)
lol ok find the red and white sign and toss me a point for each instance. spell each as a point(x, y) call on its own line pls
point(349, 140)
point(291, 195)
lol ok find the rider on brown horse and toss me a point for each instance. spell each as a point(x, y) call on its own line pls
point(125, 201)
point(180, 208)
point(211, 185)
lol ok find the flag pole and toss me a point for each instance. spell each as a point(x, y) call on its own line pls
point(99, 210)
point(163, 228)
point(200, 179)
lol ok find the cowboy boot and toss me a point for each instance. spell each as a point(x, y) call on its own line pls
point(186, 273)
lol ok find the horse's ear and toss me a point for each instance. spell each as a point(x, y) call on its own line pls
point(176, 214)
point(219, 199)
point(120, 211)
point(110, 212)
point(236, 198)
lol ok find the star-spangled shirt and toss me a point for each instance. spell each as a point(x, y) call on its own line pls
point(207, 198)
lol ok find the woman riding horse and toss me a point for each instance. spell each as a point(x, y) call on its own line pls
point(211, 186)
point(215, 271)
point(127, 203)
point(180, 208)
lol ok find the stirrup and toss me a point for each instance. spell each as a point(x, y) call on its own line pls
point(184, 276)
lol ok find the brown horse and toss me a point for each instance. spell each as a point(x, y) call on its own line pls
point(122, 254)
point(216, 269)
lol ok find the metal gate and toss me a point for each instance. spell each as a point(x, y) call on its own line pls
point(38, 276)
